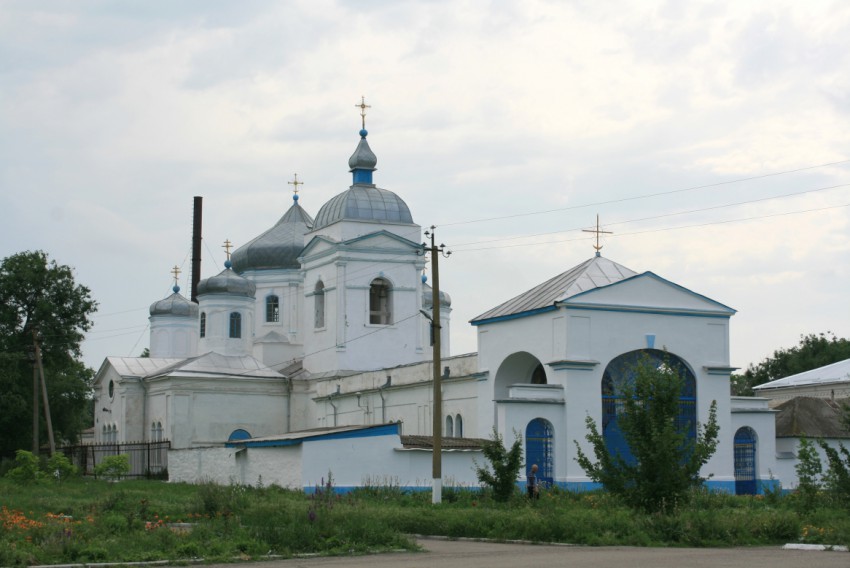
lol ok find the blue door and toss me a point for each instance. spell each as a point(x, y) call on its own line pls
point(539, 449)
point(745, 462)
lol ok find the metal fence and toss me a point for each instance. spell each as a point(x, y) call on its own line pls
point(147, 459)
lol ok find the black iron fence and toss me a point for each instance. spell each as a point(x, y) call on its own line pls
point(147, 459)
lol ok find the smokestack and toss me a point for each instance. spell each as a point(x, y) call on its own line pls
point(196, 246)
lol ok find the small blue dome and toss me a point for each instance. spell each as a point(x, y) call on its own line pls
point(363, 133)
point(278, 247)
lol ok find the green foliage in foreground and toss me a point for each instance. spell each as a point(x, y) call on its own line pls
point(504, 465)
point(667, 462)
point(96, 521)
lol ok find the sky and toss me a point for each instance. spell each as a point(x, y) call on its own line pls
point(711, 138)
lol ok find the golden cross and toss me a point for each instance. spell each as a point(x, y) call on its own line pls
point(176, 272)
point(296, 183)
point(227, 246)
point(363, 106)
point(598, 230)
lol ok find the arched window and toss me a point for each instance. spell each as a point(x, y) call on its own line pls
point(319, 301)
point(538, 377)
point(449, 427)
point(153, 432)
point(103, 435)
point(203, 324)
point(272, 309)
point(746, 480)
point(235, 325)
point(540, 449)
point(621, 371)
point(380, 295)
point(458, 426)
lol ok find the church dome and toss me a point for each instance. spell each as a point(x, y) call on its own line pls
point(363, 201)
point(279, 246)
point(227, 282)
point(428, 297)
point(174, 305)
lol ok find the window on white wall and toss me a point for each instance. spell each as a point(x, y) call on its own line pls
point(458, 426)
point(235, 325)
point(319, 302)
point(203, 324)
point(272, 309)
point(449, 433)
point(380, 294)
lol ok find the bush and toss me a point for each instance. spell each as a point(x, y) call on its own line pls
point(505, 465)
point(25, 470)
point(61, 468)
point(113, 467)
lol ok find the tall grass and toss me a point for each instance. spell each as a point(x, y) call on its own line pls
point(98, 521)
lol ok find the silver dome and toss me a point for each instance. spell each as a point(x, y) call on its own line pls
point(174, 305)
point(364, 203)
point(227, 282)
point(428, 297)
point(278, 247)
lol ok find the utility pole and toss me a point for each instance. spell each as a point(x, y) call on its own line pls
point(34, 400)
point(44, 393)
point(437, 461)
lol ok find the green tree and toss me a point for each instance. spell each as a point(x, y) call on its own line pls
point(504, 464)
point(813, 351)
point(39, 296)
point(665, 461)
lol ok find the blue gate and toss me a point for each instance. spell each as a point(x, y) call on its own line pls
point(745, 462)
point(540, 450)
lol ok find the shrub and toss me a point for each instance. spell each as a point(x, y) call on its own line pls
point(25, 470)
point(113, 467)
point(504, 466)
point(837, 478)
point(61, 468)
point(809, 469)
point(666, 461)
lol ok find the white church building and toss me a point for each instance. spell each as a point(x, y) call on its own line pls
point(310, 353)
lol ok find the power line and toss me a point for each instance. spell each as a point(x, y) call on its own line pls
point(645, 196)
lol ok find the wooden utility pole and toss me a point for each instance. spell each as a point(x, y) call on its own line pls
point(44, 393)
point(437, 428)
point(34, 402)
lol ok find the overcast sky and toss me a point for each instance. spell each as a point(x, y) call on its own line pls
point(712, 138)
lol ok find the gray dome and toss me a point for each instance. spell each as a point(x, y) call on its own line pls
point(364, 203)
point(278, 247)
point(227, 282)
point(363, 157)
point(427, 297)
point(175, 305)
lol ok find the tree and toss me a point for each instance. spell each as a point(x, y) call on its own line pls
point(39, 298)
point(665, 462)
point(505, 464)
point(813, 351)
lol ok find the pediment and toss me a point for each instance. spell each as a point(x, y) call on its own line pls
point(381, 240)
point(648, 292)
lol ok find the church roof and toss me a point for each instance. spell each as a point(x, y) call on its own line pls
point(227, 282)
point(363, 201)
point(216, 364)
point(810, 417)
point(593, 273)
point(174, 305)
point(139, 366)
point(279, 246)
point(835, 373)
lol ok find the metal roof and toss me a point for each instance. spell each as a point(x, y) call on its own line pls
point(593, 273)
point(139, 366)
point(278, 247)
point(364, 203)
point(227, 282)
point(835, 373)
point(216, 364)
point(810, 417)
point(174, 305)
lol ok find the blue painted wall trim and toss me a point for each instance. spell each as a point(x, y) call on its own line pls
point(514, 316)
point(382, 430)
point(640, 310)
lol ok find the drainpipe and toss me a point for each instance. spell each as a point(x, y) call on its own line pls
point(384, 402)
point(330, 400)
point(288, 405)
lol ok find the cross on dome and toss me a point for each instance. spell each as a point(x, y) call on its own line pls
point(295, 183)
point(176, 273)
point(227, 246)
point(363, 106)
point(598, 230)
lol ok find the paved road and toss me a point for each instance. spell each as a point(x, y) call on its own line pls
point(466, 554)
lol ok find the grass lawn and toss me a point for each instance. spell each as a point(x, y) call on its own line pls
point(85, 520)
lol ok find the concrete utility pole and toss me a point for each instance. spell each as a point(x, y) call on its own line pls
point(437, 462)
